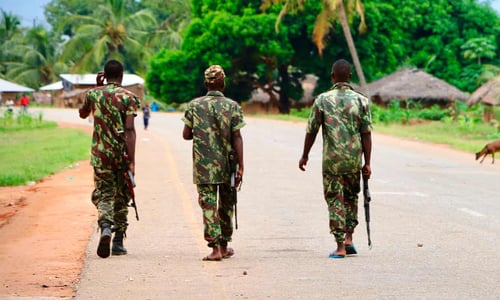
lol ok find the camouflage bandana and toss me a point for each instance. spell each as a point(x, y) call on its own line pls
point(214, 73)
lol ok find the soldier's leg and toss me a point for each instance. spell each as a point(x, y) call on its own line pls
point(226, 212)
point(351, 191)
point(103, 198)
point(103, 195)
point(332, 188)
point(207, 199)
point(120, 216)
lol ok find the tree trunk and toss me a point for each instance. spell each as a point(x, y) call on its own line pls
point(284, 83)
point(352, 49)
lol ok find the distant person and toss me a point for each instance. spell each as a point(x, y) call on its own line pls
point(146, 114)
point(10, 105)
point(213, 122)
point(25, 102)
point(114, 109)
point(345, 118)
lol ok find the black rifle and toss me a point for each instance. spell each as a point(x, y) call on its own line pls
point(233, 168)
point(129, 179)
point(367, 199)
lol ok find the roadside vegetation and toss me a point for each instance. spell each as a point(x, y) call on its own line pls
point(31, 148)
point(459, 126)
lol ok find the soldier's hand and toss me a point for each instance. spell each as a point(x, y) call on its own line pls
point(100, 78)
point(366, 171)
point(303, 163)
point(131, 167)
point(239, 177)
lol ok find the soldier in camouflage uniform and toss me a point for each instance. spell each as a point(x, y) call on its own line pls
point(213, 122)
point(345, 118)
point(114, 109)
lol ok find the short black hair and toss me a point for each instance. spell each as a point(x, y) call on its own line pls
point(342, 69)
point(113, 69)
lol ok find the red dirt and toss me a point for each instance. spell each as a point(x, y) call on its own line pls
point(44, 229)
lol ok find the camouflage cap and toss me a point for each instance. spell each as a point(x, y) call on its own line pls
point(214, 73)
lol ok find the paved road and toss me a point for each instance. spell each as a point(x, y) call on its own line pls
point(421, 193)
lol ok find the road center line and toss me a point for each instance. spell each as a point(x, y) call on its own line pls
point(471, 212)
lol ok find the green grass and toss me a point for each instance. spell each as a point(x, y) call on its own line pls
point(467, 133)
point(457, 137)
point(28, 154)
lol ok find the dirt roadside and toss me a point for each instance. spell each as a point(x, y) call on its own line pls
point(44, 229)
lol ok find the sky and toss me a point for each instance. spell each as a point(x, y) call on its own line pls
point(31, 11)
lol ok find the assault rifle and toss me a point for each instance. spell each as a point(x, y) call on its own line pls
point(129, 179)
point(233, 168)
point(367, 199)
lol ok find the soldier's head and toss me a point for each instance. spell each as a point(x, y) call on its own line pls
point(214, 78)
point(113, 71)
point(341, 71)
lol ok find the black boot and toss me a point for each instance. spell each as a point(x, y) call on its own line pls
point(118, 248)
point(104, 241)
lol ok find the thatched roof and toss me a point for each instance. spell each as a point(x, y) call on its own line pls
point(414, 84)
point(488, 93)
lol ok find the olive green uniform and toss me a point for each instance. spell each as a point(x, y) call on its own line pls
point(343, 115)
point(213, 119)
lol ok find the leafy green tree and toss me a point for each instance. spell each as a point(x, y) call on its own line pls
point(9, 28)
point(115, 32)
point(476, 48)
point(173, 16)
point(37, 63)
point(236, 35)
point(331, 10)
point(59, 15)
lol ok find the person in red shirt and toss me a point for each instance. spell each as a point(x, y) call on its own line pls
point(25, 101)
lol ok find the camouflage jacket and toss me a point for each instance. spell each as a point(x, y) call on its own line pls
point(110, 105)
point(213, 119)
point(343, 115)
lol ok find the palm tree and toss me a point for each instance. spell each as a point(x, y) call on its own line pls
point(9, 28)
point(36, 62)
point(331, 10)
point(115, 33)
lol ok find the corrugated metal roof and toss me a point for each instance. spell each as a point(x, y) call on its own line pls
point(52, 87)
point(89, 79)
point(7, 86)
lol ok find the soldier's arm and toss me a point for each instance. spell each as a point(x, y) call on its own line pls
point(366, 144)
point(187, 133)
point(237, 143)
point(84, 109)
point(130, 137)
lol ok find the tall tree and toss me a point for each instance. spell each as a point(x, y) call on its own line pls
point(9, 28)
point(331, 10)
point(115, 31)
point(37, 63)
point(238, 36)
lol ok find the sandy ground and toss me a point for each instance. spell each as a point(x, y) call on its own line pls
point(44, 229)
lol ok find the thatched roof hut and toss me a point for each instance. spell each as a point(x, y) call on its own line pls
point(488, 93)
point(414, 84)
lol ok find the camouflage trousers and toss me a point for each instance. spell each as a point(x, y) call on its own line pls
point(217, 215)
point(111, 197)
point(341, 195)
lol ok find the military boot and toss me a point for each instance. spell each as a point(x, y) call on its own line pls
point(118, 248)
point(104, 241)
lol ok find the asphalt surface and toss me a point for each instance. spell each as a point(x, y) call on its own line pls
point(435, 224)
